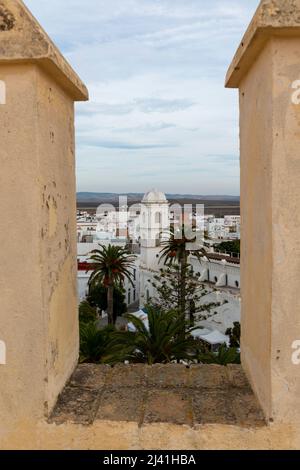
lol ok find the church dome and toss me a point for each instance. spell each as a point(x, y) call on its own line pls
point(154, 197)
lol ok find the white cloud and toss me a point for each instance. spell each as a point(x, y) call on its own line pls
point(159, 114)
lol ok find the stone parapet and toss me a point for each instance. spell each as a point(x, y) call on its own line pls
point(23, 40)
point(163, 393)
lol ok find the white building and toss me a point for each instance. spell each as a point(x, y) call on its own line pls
point(220, 273)
point(227, 228)
point(86, 231)
point(155, 227)
point(84, 250)
point(123, 223)
point(149, 223)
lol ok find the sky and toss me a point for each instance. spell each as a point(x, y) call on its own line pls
point(159, 115)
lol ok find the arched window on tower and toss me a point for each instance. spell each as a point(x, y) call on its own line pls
point(158, 218)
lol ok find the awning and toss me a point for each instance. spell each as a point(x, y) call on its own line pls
point(211, 337)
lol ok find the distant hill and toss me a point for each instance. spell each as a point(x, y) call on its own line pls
point(217, 205)
point(85, 197)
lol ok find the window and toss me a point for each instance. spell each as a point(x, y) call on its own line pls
point(237, 284)
point(129, 297)
point(158, 218)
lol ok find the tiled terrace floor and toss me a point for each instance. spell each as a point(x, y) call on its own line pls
point(201, 394)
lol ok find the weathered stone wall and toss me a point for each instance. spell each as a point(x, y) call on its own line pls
point(56, 146)
point(38, 299)
point(121, 435)
point(160, 407)
point(256, 206)
point(38, 239)
point(266, 71)
point(22, 325)
point(38, 318)
point(286, 228)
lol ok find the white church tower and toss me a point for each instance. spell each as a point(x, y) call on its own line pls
point(155, 227)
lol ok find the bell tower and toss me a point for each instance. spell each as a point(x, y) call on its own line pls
point(154, 226)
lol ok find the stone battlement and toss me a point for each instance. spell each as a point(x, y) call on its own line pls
point(173, 393)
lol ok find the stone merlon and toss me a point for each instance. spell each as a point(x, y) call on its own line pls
point(272, 18)
point(22, 39)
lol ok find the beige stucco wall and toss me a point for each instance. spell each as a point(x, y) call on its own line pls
point(285, 230)
point(256, 209)
point(56, 146)
point(38, 317)
point(270, 197)
point(264, 69)
point(21, 310)
point(114, 435)
point(38, 314)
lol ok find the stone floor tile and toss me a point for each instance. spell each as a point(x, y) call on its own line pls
point(213, 407)
point(77, 405)
point(168, 406)
point(247, 410)
point(121, 404)
point(237, 377)
point(168, 375)
point(208, 376)
point(91, 376)
point(133, 375)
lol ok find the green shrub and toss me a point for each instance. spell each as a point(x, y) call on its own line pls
point(105, 345)
point(235, 335)
point(223, 357)
point(87, 313)
point(168, 338)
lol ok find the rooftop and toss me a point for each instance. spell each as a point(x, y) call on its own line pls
point(154, 197)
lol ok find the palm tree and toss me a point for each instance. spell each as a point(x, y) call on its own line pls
point(93, 342)
point(111, 266)
point(224, 356)
point(167, 339)
point(103, 346)
point(176, 250)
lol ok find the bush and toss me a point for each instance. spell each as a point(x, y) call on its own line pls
point(87, 313)
point(97, 297)
point(235, 335)
point(168, 338)
point(229, 247)
point(106, 345)
point(223, 357)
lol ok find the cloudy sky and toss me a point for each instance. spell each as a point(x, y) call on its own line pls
point(159, 115)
